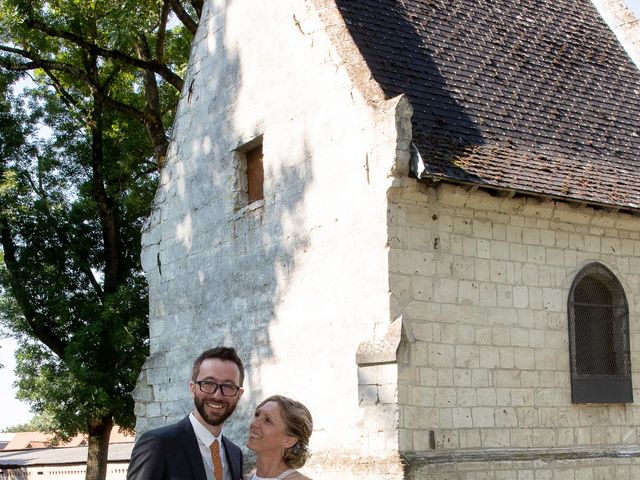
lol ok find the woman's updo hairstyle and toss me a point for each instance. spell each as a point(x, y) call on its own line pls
point(297, 423)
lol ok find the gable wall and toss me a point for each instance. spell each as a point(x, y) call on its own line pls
point(481, 283)
point(624, 23)
point(277, 280)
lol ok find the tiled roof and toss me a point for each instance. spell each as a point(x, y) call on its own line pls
point(27, 440)
point(525, 95)
point(118, 452)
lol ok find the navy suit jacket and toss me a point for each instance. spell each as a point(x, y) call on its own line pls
point(172, 453)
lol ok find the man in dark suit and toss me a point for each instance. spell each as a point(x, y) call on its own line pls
point(195, 448)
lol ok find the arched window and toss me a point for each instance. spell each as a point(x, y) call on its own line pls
point(599, 338)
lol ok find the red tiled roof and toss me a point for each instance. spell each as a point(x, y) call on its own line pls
point(30, 440)
point(530, 95)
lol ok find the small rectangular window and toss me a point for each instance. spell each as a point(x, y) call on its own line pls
point(248, 182)
point(255, 174)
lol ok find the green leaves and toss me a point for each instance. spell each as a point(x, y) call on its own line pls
point(82, 347)
point(79, 153)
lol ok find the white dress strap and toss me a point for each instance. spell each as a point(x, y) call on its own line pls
point(285, 474)
point(279, 477)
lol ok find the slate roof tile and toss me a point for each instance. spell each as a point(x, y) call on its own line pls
point(532, 95)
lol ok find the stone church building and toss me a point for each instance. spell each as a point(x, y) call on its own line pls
point(419, 218)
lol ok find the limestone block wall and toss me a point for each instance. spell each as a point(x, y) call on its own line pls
point(297, 281)
point(481, 283)
point(562, 469)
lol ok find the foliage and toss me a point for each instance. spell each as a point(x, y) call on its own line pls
point(39, 423)
point(79, 155)
point(55, 228)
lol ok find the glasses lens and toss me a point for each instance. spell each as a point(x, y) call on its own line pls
point(229, 390)
point(207, 387)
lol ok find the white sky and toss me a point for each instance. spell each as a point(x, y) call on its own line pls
point(634, 5)
point(13, 412)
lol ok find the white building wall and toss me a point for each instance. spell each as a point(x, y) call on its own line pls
point(296, 283)
point(481, 283)
point(68, 471)
point(624, 23)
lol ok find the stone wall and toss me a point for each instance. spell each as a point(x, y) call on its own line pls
point(298, 281)
point(481, 284)
point(624, 23)
point(543, 469)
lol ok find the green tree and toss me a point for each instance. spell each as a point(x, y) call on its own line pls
point(72, 205)
point(39, 423)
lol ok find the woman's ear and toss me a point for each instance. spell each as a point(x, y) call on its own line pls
point(290, 441)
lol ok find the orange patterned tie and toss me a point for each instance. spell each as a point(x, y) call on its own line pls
point(217, 461)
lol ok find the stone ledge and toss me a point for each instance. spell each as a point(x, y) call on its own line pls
point(420, 458)
point(324, 464)
point(383, 465)
point(258, 205)
point(383, 350)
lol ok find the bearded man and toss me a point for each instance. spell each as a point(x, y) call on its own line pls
point(195, 448)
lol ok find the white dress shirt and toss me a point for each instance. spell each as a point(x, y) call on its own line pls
point(205, 439)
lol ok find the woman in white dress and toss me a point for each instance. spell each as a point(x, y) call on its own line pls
point(279, 434)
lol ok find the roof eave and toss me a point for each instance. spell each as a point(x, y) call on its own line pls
point(546, 196)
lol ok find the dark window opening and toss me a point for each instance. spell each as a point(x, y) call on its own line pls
point(255, 174)
point(599, 338)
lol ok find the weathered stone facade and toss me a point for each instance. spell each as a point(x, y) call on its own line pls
point(295, 282)
point(481, 282)
point(424, 325)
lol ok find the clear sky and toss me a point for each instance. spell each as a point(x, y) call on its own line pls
point(13, 412)
point(634, 5)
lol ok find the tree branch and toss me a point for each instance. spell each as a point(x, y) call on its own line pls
point(92, 279)
point(124, 108)
point(162, 30)
point(153, 65)
point(197, 5)
point(84, 268)
point(66, 96)
point(184, 16)
point(38, 324)
point(153, 109)
point(37, 62)
point(109, 219)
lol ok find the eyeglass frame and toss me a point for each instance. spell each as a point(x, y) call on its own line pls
point(217, 386)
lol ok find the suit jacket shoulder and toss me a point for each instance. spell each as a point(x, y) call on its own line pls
point(167, 453)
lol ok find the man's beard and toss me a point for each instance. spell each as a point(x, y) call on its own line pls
point(213, 418)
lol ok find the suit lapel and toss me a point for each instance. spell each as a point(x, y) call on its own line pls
point(232, 460)
point(191, 449)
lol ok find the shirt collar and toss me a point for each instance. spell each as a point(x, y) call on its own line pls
point(204, 435)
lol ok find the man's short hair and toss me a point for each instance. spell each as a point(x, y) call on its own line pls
point(223, 353)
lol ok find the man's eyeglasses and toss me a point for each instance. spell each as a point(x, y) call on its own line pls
point(226, 389)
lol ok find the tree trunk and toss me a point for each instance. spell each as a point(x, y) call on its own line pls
point(98, 451)
point(109, 218)
point(153, 110)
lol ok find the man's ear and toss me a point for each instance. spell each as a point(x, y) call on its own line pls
point(240, 392)
point(192, 388)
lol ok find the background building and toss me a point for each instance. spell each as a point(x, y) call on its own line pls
point(28, 455)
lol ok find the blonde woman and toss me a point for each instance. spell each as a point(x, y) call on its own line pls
point(279, 434)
